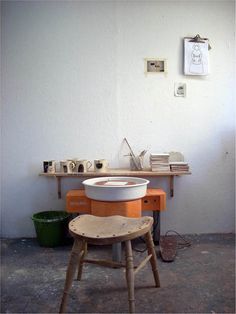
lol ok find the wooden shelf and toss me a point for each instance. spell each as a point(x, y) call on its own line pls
point(116, 172)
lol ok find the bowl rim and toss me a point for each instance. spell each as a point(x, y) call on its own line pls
point(87, 182)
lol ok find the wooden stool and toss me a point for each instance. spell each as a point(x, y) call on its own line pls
point(109, 230)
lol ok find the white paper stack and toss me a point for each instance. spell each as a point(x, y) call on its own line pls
point(179, 166)
point(160, 162)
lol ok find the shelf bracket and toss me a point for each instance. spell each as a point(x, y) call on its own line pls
point(171, 186)
point(59, 187)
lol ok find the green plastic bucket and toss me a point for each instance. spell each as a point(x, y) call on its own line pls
point(51, 227)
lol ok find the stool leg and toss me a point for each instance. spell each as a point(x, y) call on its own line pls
point(130, 275)
point(153, 260)
point(83, 255)
point(71, 269)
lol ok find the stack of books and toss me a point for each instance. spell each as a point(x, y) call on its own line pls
point(160, 162)
point(179, 166)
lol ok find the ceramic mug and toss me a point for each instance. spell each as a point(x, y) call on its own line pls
point(100, 165)
point(82, 165)
point(49, 166)
point(67, 166)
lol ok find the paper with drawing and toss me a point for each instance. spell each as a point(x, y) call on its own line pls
point(196, 57)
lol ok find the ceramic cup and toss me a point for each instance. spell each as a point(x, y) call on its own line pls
point(67, 166)
point(82, 165)
point(100, 165)
point(49, 166)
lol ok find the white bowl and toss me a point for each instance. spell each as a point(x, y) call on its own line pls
point(115, 189)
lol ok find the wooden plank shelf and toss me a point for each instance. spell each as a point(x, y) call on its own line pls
point(116, 172)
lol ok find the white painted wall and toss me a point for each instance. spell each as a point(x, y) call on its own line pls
point(73, 85)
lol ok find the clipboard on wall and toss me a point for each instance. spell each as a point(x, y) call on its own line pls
point(196, 55)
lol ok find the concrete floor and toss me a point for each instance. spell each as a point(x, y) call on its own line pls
point(200, 280)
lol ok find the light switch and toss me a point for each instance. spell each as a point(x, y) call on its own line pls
point(180, 89)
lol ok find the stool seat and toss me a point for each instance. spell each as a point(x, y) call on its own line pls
point(109, 230)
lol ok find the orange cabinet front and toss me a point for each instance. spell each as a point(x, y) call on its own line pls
point(77, 202)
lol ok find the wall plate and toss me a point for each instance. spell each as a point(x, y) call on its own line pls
point(155, 65)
